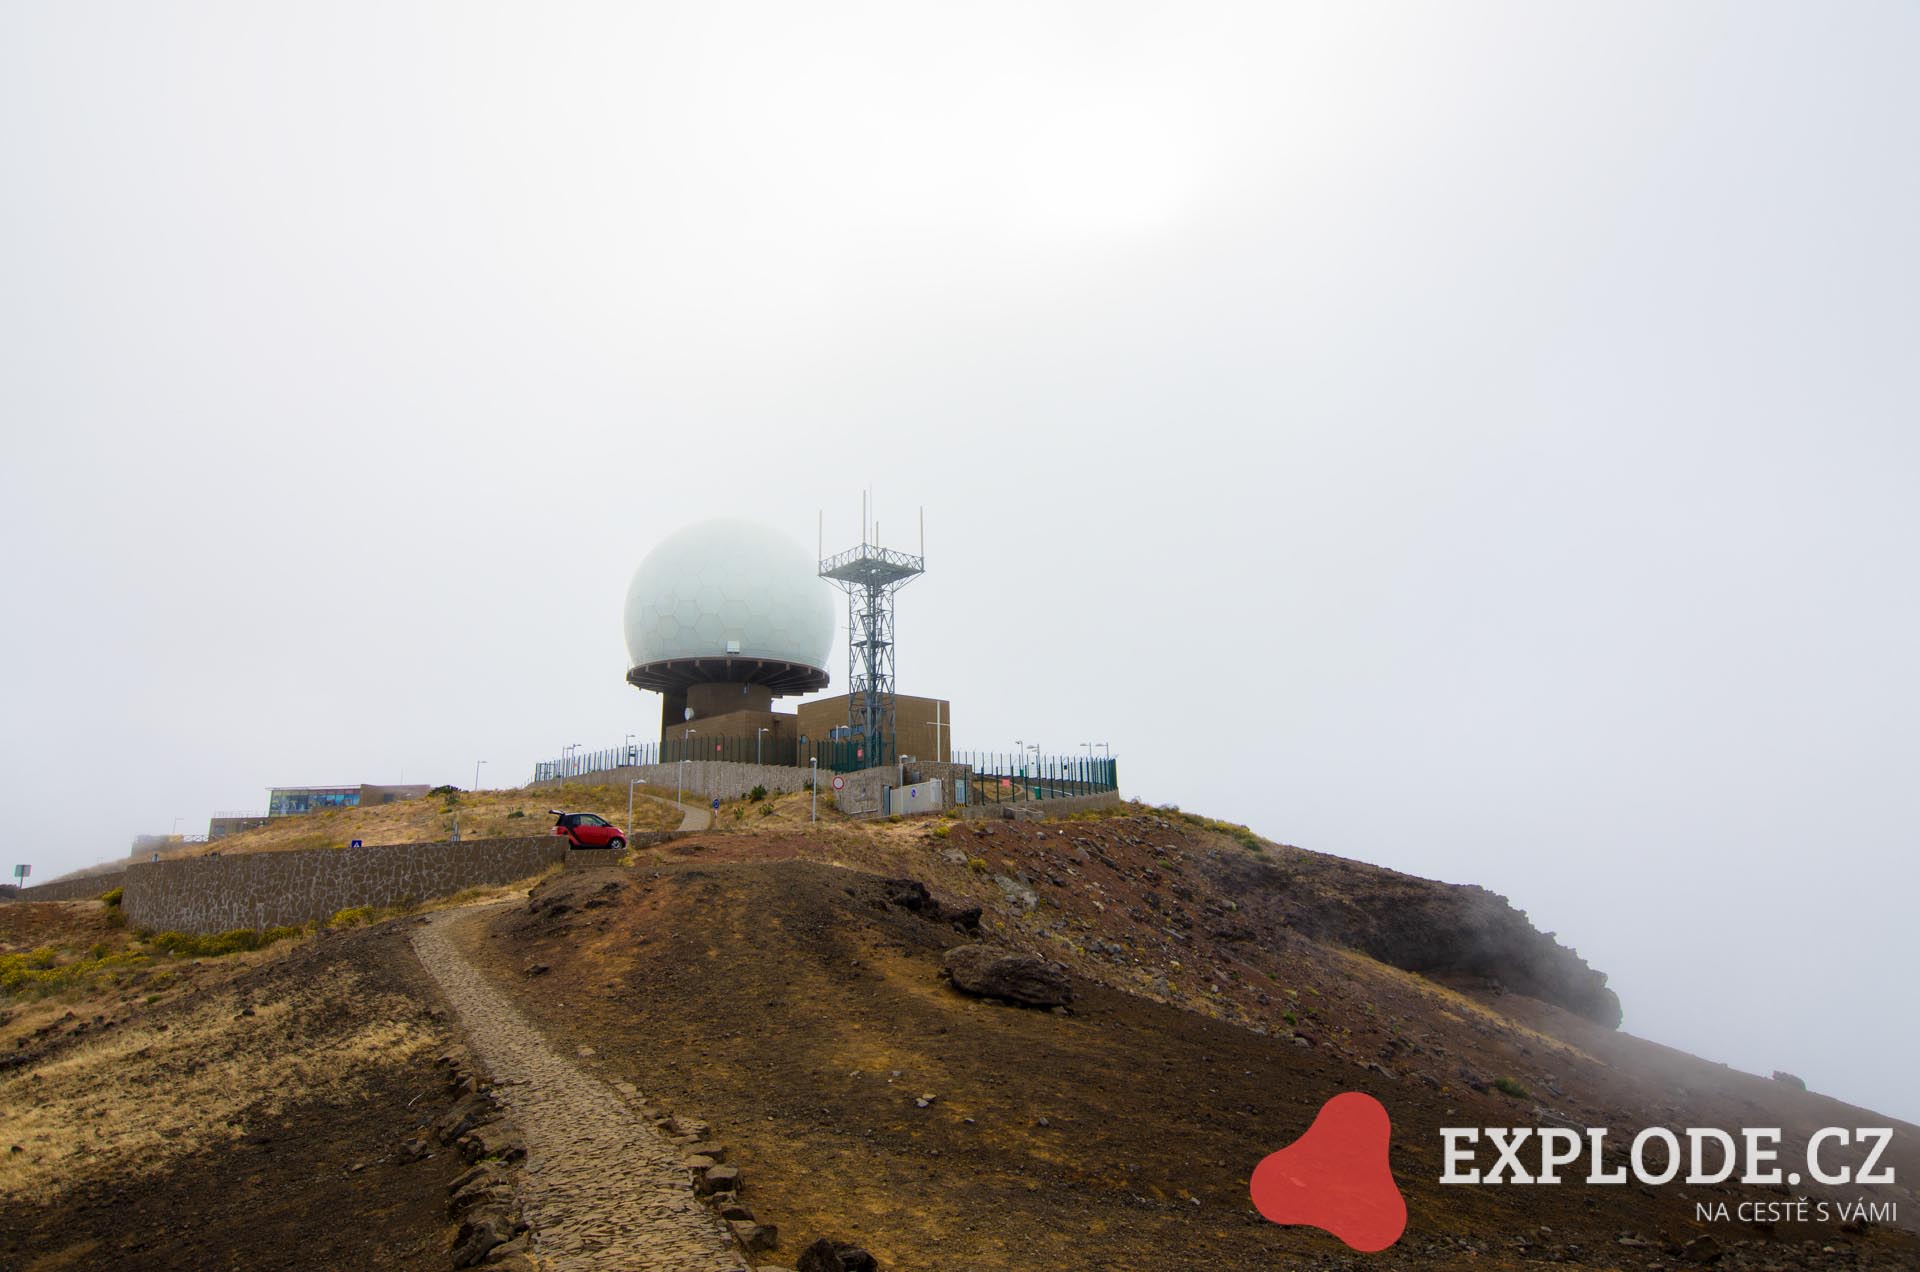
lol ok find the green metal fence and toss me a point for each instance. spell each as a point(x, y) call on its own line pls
point(1012, 777)
point(998, 777)
point(836, 755)
point(846, 755)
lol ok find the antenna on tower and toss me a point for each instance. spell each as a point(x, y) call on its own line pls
point(870, 575)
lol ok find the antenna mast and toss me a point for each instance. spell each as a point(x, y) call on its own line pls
point(870, 575)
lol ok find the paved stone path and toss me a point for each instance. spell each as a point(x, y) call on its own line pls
point(696, 817)
point(603, 1189)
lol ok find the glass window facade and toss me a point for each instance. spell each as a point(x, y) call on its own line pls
point(283, 801)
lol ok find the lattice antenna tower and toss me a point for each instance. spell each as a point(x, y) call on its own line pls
point(870, 575)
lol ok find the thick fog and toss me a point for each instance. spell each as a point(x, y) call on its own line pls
point(1474, 439)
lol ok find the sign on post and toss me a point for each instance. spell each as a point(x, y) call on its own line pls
point(839, 783)
point(21, 872)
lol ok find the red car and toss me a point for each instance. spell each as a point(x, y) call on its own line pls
point(587, 830)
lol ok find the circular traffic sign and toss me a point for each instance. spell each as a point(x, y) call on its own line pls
point(839, 783)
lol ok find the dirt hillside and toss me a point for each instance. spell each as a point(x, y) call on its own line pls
point(240, 1112)
point(777, 986)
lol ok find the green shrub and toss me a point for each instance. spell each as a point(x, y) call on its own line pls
point(518, 812)
point(757, 794)
point(444, 790)
point(766, 810)
point(977, 864)
point(113, 898)
point(40, 971)
point(355, 916)
point(1507, 1086)
point(214, 945)
point(942, 831)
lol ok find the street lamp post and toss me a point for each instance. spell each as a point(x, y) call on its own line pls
point(756, 743)
point(814, 762)
point(680, 790)
point(476, 775)
point(630, 785)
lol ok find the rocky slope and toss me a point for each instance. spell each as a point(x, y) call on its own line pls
point(817, 1000)
point(1457, 932)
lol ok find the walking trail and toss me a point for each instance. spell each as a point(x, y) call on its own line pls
point(602, 1188)
point(696, 818)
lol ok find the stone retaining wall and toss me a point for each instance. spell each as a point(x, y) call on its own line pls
point(265, 889)
point(85, 888)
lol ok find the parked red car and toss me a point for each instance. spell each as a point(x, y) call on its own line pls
point(587, 830)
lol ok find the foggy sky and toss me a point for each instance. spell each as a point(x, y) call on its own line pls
point(1474, 439)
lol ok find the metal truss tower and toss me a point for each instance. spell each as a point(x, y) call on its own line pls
point(870, 575)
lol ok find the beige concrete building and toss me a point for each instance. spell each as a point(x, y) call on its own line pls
point(923, 726)
point(736, 723)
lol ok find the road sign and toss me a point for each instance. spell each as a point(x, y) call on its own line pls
point(21, 872)
point(356, 844)
point(716, 803)
point(839, 783)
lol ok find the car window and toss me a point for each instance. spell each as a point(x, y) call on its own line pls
point(570, 820)
point(588, 819)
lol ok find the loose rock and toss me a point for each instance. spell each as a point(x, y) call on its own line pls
point(828, 1255)
point(990, 971)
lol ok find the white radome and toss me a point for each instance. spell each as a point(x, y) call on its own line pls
point(728, 580)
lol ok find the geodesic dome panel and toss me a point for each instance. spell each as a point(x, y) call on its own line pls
point(728, 581)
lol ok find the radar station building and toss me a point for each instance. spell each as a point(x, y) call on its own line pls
point(727, 616)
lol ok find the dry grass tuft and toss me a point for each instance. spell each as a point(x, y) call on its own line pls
point(131, 1102)
point(482, 815)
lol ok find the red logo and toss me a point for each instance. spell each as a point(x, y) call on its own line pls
point(1336, 1177)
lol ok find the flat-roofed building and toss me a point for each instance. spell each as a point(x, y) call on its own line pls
point(285, 801)
point(923, 727)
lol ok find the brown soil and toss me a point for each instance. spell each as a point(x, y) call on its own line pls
point(243, 1112)
point(247, 1121)
point(72, 924)
point(765, 984)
